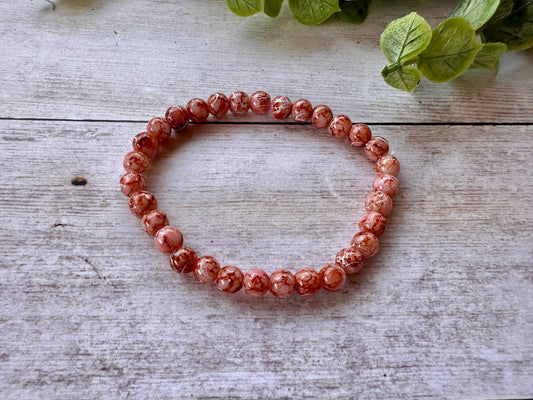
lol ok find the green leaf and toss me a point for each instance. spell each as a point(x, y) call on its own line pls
point(272, 7)
point(245, 8)
point(504, 9)
point(354, 11)
point(489, 55)
point(477, 12)
point(513, 27)
point(405, 38)
point(452, 49)
point(406, 78)
point(313, 12)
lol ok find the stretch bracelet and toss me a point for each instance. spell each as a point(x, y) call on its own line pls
point(256, 282)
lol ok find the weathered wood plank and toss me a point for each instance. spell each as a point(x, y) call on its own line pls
point(90, 309)
point(128, 59)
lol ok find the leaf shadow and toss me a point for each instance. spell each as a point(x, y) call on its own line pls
point(72, 7)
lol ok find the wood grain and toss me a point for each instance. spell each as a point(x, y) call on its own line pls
point(90, 309)
point(128, 59)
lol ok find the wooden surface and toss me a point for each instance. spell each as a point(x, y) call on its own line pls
point(90, 309)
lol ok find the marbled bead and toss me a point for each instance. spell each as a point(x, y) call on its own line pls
point(349, 259)
point(218, 104)
point(379, 202)
point(260, 103)
point(167, 239)
point(301, 110)
point(159, 128)
point(131, 183)
point(239, 102)
point(153, 221)
point(282, 283)
point(178, 117)
point(256, 282)
point(333, 277)
point(229, 279)
point(183, 260)
point(281, 107)
point(136, 162)
point(142, 202)
point(386, 183)
point(373, 222)
point(198, 110)
point(367, 243)
point(308, 282)
point(206, 269)
point(388, 164)
point(340, 126)
point(146, 143)
point(359, 135)
point(376, 148)
point(321, 116)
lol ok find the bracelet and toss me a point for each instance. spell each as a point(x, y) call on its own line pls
point(256, 282)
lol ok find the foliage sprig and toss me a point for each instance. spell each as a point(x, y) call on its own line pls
point(453, 46)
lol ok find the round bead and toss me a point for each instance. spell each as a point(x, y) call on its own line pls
point(333, 277)
point(301, 111)
point(131, 183)
point(218, 104)
point(178, 117)
point(256, 282)
point(388, 164)
point(183, 259)
point(206, 269)
point(135, 161)
point(321, 116)
point(239, 102)
point(153, 221)
point(167, 239)
point(142, 202)
point(386, 183)
point(376, 147)
point(282, 283)
point(340, 126)
point(373, 222)
point(350, 260)
point(379, 202)
point(159, 128)
point(308, 282)
point(146, 143)
point(229, 279)
point(367, 243)
point(260, 103)
point(281, 107)
point(198, 110)
point(359, 135)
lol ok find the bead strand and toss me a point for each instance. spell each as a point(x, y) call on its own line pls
point(256, 282)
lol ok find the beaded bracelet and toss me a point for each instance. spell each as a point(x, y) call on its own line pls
point(256, 282)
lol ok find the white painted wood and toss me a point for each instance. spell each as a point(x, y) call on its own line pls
point(128, 59)
point(91, 310)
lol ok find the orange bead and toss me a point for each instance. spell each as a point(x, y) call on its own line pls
point(229, 279)
point(308, 282)
point(340, 126)
point(373, 222)
point(333, 277)
point(256, 282)
point(218, 104)
point(282, 283)
point(206, 269)
point(142, 202)
point(260, 103)
point(350, 259)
